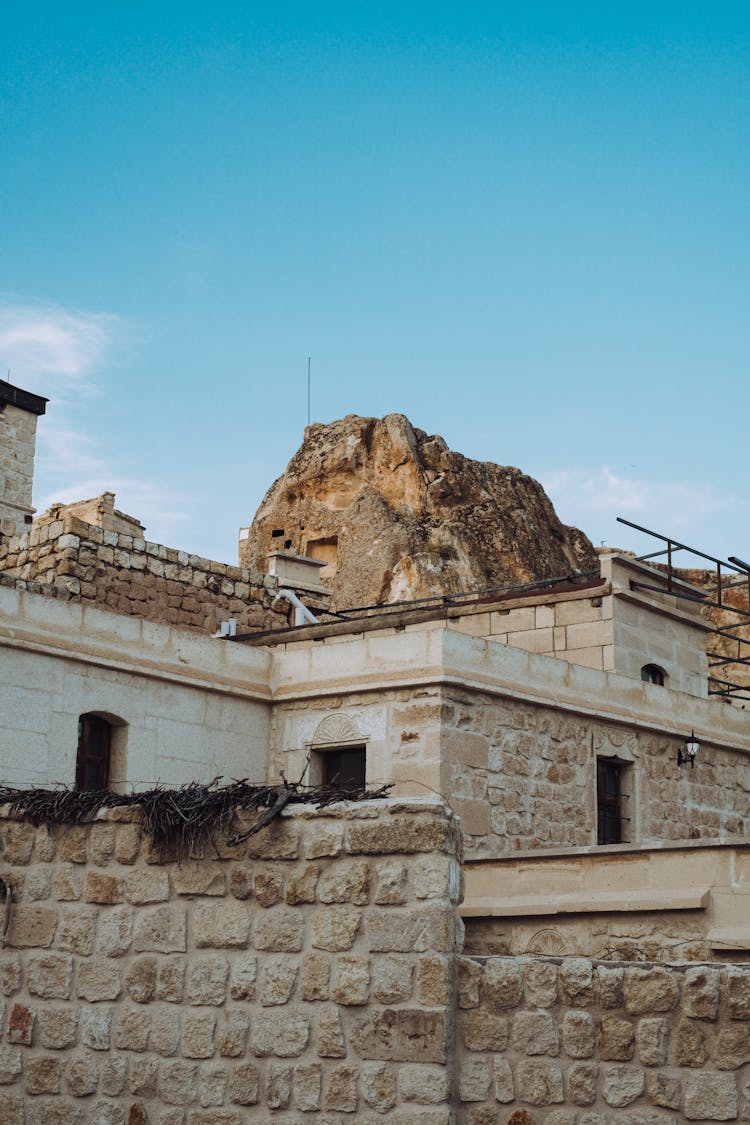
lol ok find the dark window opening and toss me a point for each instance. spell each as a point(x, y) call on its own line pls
point(611, 821)
point(94, 750)
point(287, 544)
point(652, 674)
point(344, 769)
point(277, 533)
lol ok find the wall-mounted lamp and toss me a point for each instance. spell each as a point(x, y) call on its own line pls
point(689, 752)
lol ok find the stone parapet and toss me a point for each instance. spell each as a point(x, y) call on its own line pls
point(129, 575)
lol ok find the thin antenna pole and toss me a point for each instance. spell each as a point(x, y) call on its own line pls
point(308, 390)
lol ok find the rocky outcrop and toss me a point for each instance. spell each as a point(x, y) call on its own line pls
point(397, 515)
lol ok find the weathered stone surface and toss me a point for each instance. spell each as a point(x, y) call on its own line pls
point(539, 1082)
point(341, 1092)
point(351, 980)
point(10, 973)
point(621, 1085)
point(700, 993)
point(102, 888)
point(165, 1030)
point(738, 992)
point(241, 881)
point(502, 986)
point(268, 886)
point(221, 927)
point(140, 979)
point(469, 980)
point(379, 1086)
point(578, 1034)
point(170, 979)
point(244, 1084)
point(281, 929)
point(690, 1044)
point(347, 881)
point(504, 1085)
point(402, 1035)
point(335, 928)
point(665, 1089)
point(231, 1034)
point(81, 1074)
point(21, 1025)
point(143, 1073)
point(391, 978)
point(650, 990)
point(390, 885)
point(534, 1033)
point(306, 1084)
point(652, 1037)
point(315, 975)
point(50, 975)
point(577, 980)
point(417, 930)
point(32, 926)
point(485, 1031)
point(10, 1065)
point(244, 977)
point(42, 1075)
point(474, 1079)
point(407, 834)
point(284, 1033)
point(617, 1039)
point(130, 1029)
point(147, 884)
point(115, 931)
point(96, 1027)
point(733, 1046)
point(442, 523)
point(198, 1030)
point(199, 878)
point(206, 980)
point(302, 886)
point(76, 930)
point(540, 981)
point(99, 979)
point(277, 979)
point(178, 1082)
point(57, 1027)
point(162, 929)
point(331, 1041)
point(710, 1097)
point(582, 1080)
point(434, 980)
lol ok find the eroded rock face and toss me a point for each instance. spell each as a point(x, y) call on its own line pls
point(397, 515)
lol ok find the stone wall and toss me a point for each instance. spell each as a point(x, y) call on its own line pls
point(523, 776)
point(304, 975)
point(545, 1041)
point(137, 577)
point(17, 442)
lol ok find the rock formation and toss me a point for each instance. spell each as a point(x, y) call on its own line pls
point(397, 515)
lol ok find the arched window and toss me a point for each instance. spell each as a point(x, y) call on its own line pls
point(653, 674)
point(93, 759)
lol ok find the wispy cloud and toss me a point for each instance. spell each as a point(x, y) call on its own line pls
point(48, 347)
point(67, 354)
point(592, 499)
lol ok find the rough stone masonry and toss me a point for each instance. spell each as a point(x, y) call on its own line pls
point(315, 974)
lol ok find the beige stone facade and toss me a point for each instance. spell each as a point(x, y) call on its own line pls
point(19, 411)
point(315, 973)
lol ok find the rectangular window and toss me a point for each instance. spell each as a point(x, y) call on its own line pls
point(92, 759)
point(344, 768)
point(611, 800)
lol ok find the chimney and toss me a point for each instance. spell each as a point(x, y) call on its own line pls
point(19, 411)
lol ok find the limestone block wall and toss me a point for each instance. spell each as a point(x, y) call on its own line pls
point(17, 442)
point(523, 776)
point(306, 975)
point(547, 1041)
point(134, 576)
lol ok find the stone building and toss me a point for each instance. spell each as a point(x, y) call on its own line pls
point(454, 954)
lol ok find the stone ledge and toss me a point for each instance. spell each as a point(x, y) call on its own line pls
point(603, 901)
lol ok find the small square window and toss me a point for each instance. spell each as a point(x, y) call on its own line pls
point(343, 768)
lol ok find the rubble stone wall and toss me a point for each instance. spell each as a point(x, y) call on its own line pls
point(523, 776)
point(134, 576)
point(546, 1041)
point(307, 974)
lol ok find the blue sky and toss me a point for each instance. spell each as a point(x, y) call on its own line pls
point(524, 226)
